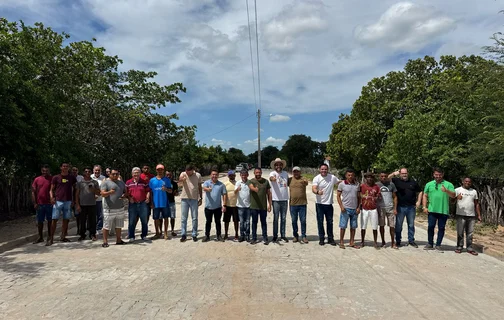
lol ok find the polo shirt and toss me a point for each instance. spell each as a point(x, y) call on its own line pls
point(137, 190)
point(213, 199)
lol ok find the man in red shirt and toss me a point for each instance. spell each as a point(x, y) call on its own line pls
point(138, 192)
point(370, 193)
point(146, 176)
point(42, 202)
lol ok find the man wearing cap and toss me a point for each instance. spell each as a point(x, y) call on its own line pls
point(242, 192)
point(323, 187)
point(160, 186)
point(297, 187)
point(190, 196)
point(231, 208)
point(280, 195)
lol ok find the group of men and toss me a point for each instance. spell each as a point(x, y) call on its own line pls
point(100, 203)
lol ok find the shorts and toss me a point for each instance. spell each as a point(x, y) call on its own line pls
point(367, 215)
point(391, 217)
point(44, 212)
point(161, 213)
point(349, 214)
point(62, 206)
point(113, 219)
point(173, 210)
point(231, 211)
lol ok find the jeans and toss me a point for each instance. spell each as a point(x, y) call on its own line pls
point(185, 205)
point(441, 220)
point(62, 207)
point(410, 214)
point(87, 216)
point(298, 211)
point(279, 209)
point(137, 210)
point(244, 214)
point(255, 213)
point(465, 224)
point(327, 211)
point(215, 214)
point(99, 215)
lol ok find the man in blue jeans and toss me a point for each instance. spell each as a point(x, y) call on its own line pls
point(349, 200)
point(138, 192)
point(279, 195)
point(260, 204)
point(323, 187)
point(436, 197)
point(409, 196)
point(298, 201)
point(191, 197)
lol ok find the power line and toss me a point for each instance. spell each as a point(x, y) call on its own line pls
point(237, 123)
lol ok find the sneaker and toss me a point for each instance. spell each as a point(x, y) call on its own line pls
point(206, 239)
point(145, 239)
point(428, 247)
point(254, 241)
point(438, 249)
point(220, 239)
point(241, 239)
point(266, 242)
point(173, 234)
point(195, 239)
point(398, 244)
point(332, 242)
point(285, 239)
point(413, 244)
point(131, 240)
point(80, 239)
point(275, 239)
point(225, 237)
point(321, 242)
point(305, 240)
point(183, 239)
point(295, 239)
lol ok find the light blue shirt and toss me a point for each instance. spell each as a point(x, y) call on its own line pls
point(214, 198)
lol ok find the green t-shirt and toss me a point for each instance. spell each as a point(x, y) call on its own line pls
point(437, 199)
point(259, 200)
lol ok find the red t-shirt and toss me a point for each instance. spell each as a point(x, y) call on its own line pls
point(146, 177)
point(42, 186)
point(137, 190)
point(369, 196)
point(64, 187)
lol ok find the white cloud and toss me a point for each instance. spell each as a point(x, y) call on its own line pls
point(251, 141)
point(406, 26)
point(274, 141)
point(279, 118)
point(222, 143)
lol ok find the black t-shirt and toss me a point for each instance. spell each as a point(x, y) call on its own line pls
point(171, 196)
point(406, 192)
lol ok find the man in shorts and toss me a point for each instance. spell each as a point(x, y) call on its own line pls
point(369, 197)
point(113, 192)
point(42, 202)
point(387, 206)
point(61, 194)
point(160, 186)
point(349, 202)
point(231, 208)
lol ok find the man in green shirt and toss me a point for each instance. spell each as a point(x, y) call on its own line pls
point(260, 204)
point(437, 194)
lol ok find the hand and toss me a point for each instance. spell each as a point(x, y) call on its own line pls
point(479, 219)
point(147, 200)
point(269, 208)
point(273, 178)
point(112, 191)
point(305, 182)
point(77, 207)
point(426, 210)
point(459, 197)
point(357, 211)
point(342, 209)
point(396, 173)
point(163, 188)
point(169, 190)
point(443, 188)
point(53, 201)
point(223, 208)
point(417, 205)
point(200, 201)
point(395, 212)
point(183, 177)
point(239, 187)
point(35, 206)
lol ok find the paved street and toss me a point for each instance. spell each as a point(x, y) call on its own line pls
point(173, 280)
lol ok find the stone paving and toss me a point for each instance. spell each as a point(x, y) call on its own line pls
point(215, 280)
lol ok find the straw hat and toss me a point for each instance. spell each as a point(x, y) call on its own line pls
point(272, 164)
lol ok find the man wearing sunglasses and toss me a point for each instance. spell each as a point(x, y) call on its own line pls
point(436, 197)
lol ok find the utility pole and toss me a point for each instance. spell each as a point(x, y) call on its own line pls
point(259, 138)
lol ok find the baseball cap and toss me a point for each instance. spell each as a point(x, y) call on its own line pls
point(159, 166)
point(231, 172)
point(296, 169)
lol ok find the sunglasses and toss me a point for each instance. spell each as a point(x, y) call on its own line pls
point(114, 174)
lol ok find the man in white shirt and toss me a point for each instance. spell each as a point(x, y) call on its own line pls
point(323, 187)
point(242, 192)
point(467, 208)
point(279, 196)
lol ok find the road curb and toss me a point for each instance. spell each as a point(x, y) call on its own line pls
point(14, 243)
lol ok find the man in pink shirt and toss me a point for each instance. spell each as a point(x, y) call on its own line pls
point(42, 202)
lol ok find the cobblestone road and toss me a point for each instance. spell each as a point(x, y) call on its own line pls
point(173, 280)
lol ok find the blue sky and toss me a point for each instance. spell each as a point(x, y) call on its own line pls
point(315, 56)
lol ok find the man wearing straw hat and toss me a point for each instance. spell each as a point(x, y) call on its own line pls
point(280, 195)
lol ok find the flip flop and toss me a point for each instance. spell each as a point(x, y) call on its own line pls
point(355, 246)
point(38, 241)
point(342, 246)
point(458, 251)
point(395, 247)
point(474, 253)
point(105, 245)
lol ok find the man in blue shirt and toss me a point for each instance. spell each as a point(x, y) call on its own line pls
point(216, 196)
point(160, 186)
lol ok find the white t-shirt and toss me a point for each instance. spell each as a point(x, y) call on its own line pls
point(279, 188)
point(327, 186)
point(243, 196)
point(100, 180)
point(465, 207)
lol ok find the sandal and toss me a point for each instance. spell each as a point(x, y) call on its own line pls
point(474, 253)
point(121, 243)
point(458, 251)
point(395, 247)
point(342, 246)
point(355, 246)
point(105, 245)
